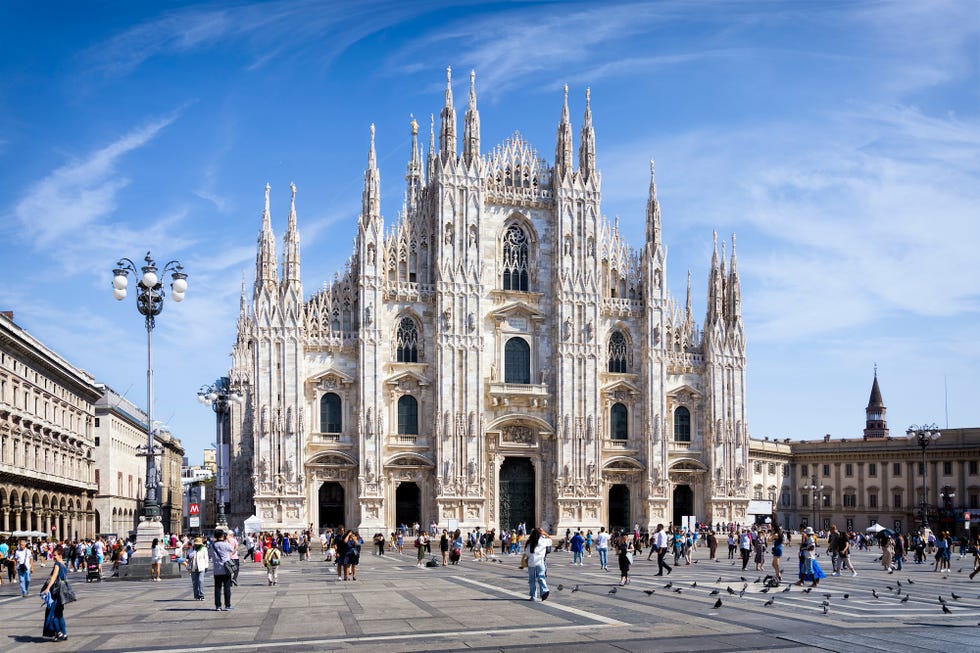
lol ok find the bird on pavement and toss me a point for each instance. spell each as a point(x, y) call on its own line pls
point(758, 580)
point(847, 596)
point(905, 599)
point(825, 603)
point(956, 597)
point(575, 589)
point(678, 590)
point(694, 584)
point(874, 593)
point(730, 590)
point(717, 604)
point(946, 610)
point(899, 583)
point(827, 595)
point(669, 585)
point(612, 591)
point(713, 592)
point(910, 581)
point(719, 580)
point(941, 599)
point(807, 590)
point(742, 578)
point(889, 588)
point(787, 588)
point(741, 594)
point(764, 590)
point(649, 592)
point(825, 609)
point(560, 587)
point(769, 602)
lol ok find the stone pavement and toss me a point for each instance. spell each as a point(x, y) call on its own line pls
point(394, 606)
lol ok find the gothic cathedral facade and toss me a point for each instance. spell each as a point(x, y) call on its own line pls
point(498, 355)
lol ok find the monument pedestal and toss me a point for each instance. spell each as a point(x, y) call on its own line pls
point(139, 565)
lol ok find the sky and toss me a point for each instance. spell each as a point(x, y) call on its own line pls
point(840, 141)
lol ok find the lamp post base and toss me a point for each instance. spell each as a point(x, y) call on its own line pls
point(146, 531)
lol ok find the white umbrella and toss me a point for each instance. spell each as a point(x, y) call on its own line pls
point(253, 524)
point(874, 528)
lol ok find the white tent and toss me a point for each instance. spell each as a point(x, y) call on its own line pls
point(874, 528)
point(253, 524)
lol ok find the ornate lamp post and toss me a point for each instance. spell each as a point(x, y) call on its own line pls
point(220, 396)
point(149, 302)
point(817, 492)
point(923, 435)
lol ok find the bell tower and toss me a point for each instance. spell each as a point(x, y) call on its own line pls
point(875, 426)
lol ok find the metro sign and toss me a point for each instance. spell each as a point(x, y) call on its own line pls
point(194, 509)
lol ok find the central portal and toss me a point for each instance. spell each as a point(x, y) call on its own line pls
point(517, 494)
point(331, 500)
point(408, 505)
point(683, 503)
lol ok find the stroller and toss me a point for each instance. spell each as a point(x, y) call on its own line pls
point(92, 569)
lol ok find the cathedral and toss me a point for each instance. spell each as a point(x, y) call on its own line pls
point(498, 354)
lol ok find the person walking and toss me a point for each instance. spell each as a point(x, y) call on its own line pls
point(54, 613)
point(272, 559)
point(777, 551)
point(625, 551)
point(157, 551)
point(537, 550)
point(577, 546)
point(745, 547)
point(660, 544)
point(602, 548)
point(197, 563)
point(712, 545)
point(444, 547)
point(24, 560)
point(223, 570)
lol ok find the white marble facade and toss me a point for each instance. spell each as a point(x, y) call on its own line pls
point(497, 354)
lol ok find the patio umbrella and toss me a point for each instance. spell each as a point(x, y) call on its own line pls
point(874, 528)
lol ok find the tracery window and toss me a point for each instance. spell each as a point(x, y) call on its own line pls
point(516, 259)
point(408, 415)
point(407, 341)
point(619, 422)
point(330, 414)
point(618, 353)
point(682, 424)
point(517, 361)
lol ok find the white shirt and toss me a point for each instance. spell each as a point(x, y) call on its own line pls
point(23, 556)
point(536, 557)
point(602, 541)
point(660, 539)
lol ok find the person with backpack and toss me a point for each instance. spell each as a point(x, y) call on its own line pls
point(272, 560)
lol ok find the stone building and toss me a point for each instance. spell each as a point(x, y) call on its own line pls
point(120, 467)
point(47, 414)
point(497, 354)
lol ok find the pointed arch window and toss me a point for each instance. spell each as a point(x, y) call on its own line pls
point(618, 353)
point(517, 361)
point(516, 259)
point(407, 341)
point(408, 415)
point(619, 422)
point(330, 413)
point(682, 425)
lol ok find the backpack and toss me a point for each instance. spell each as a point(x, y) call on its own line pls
point(274, 556)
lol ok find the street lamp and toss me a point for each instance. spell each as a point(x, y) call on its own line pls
point(220, 396)
point(923, 435)
point(149, 302)
point(817, 492)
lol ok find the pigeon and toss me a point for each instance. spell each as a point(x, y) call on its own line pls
point(874, 593)
point(825, 603)
point(612, 591)
point(730, 590)
point(694, 584)
point(825, 609)
point(713, 592)
point(946, 610)
point(890, 588)
point(910, 581)
point(741, 594)
point(827, 595)
point(960, 570)
point(905, 599)
point(717, 604)
point(955, 596)
point(891, 571)
point(807, 590)
point(745, 586)
point(847, 596)
point(898, 591)
point(649, 592)
point(899, 583)
point(764, 590)
point(575, 589)
point(787, 588)
point(942, 600)
point(560, 587)
point(733, 564)
point(669, 585)
point(769, 602)
point(719, 580)
point(758, 580)
point(678, 590)
point(743, 578)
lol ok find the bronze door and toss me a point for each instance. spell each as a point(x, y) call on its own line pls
point(517, 494)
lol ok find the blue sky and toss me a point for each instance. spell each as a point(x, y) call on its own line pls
point(839, 140)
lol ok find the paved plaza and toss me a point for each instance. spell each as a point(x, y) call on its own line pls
point(394, 606)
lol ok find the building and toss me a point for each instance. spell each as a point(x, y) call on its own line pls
point(498, 354)
point(47, 415)
point(120, 467)
point(877, 478)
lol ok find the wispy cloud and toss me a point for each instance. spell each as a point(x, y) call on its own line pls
point(81, 192)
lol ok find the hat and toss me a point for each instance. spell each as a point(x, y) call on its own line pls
point(198, 541)
point(808, 530)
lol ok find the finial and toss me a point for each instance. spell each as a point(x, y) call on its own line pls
point(588, 96)
point(415, 125)
point(714, 234)
point(432, 132)
point(292, 189)
point(449, 74)
point(876, 369)
point(472, 89)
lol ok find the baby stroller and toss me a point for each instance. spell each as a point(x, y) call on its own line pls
point(92, 569)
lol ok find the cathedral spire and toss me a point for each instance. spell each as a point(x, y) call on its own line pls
point(471, 128)
point(265, 260)
point(689, 305)
point(586, 149)
point(653, 212)
point(876, 424)
point(413, 176)
point(563, 148)
point(371, 196)
point(734, 289)
point(430, 164)
point(716, 292)
point(290, 253)
point(447, 129)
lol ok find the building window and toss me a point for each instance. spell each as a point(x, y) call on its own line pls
point(826, 501)
point(618, 422)
point(850, 500)
point(618, 353)
point(96, 422)
point(920, 469)
point(516, 261)
point(947, 468)
point(330, 414)
point(517, 361)
point(804, 470)
point(848, 469)
point(785, 469)
point(407, 341)
point(872, 469)
point(973, 468)
point(896, 469)
point(872, 499)
point(682, 425)
point(897, 501)
point(757, 466)
point(974, 500)
point(408, 415)
point(785, 499)
point(826, 470)
point(772, 468)
point(805, 500)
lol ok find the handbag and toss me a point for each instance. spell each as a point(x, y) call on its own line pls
point(62, 592)
point(523, 564)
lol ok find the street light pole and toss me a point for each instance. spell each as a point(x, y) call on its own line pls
point(220, 395)
point(816, 491)
point(149, 302)
point(923, 436)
